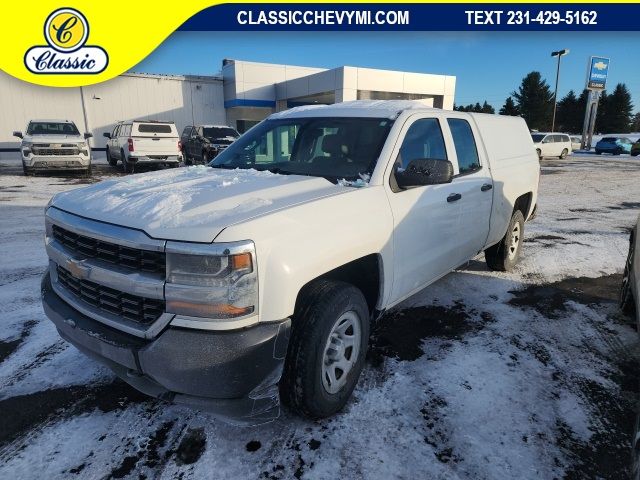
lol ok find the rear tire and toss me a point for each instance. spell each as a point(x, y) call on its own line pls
point(329, 338)
point(112, 161)
point(626, 300)
point(564, 154)
point(504, 255)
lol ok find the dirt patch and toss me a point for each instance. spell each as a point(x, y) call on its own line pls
point(23, 413)
point(550, 300)
point(8, 347)
point(253, 446)
point(607, 453)
point(625, 206)
point(191, 447)
point(399, 334)
point(585, 210)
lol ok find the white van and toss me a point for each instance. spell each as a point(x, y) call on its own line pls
point(552, 144)
point(143, 142)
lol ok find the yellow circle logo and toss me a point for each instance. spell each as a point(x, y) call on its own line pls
point(66, 30)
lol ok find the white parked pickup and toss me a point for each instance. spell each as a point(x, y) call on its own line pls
point(255, 279)
point(54, 145)
point(143, 142)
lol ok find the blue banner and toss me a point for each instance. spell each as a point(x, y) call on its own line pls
point(417, 17)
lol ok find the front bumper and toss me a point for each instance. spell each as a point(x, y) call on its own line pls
point(233, 374)
point(56, 162)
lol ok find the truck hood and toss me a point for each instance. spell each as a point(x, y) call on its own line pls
point(53, 138)
point(191, 204)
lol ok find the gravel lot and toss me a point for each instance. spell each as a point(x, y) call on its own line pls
point(532, 374)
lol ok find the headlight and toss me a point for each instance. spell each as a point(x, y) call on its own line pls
point(82, 145)
point(216, 282)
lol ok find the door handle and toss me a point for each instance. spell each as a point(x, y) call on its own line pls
point(454, 197)
point(486, 186)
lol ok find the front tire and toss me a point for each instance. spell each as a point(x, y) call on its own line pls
point(112, 161)
point(539, 152)
point(504, 255)
point(329, 338)
point(626, 300)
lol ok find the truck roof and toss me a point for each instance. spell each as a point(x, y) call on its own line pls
point(52, 120)
point(355, 108)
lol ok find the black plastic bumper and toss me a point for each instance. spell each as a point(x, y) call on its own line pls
point(231, 374)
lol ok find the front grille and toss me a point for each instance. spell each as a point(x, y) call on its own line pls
point(133, 258)
point(137, 309)
point(40, 151)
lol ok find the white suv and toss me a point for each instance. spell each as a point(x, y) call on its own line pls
point(552, 144)
point(54, 145)
point(143, 142)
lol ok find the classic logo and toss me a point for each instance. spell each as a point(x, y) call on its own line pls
point(66, 31)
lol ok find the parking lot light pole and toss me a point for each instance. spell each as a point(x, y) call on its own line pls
point(558, 54)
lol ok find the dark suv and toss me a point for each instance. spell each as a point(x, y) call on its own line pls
point(201, 143)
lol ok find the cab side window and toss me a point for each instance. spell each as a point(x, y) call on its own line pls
point(424, 140)
point(465, 144)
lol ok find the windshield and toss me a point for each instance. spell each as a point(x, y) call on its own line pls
point(537, 138)
point(333, 148)
point(52, 128)
point(219, 132)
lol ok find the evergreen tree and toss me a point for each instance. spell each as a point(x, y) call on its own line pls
point(534, 100)
point(618, 111)
point(509, 108)
point(635, 123)
point(486, 108)
point(570, 115)
point(601, 118)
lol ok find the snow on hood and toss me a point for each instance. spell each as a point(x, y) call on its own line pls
point(191, 204)
point(53, 138)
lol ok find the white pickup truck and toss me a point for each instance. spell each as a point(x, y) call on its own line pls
point(147, 142)
point(254, 279)
point(54, 145)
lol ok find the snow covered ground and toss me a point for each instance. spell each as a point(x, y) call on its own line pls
point(532, 374)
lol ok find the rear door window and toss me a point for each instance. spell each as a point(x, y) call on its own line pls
point(465, 145)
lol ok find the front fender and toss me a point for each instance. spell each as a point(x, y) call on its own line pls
point(300, 243)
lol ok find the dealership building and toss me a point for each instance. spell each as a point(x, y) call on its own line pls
point(240, 96)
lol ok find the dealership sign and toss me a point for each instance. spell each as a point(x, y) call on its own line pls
point(597, 73)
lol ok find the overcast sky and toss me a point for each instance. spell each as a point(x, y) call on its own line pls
point(488, 66)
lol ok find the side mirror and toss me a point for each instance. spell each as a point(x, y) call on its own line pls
point(107, 135)
point(425, 171)
point(88, 135)
point(17, 134)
